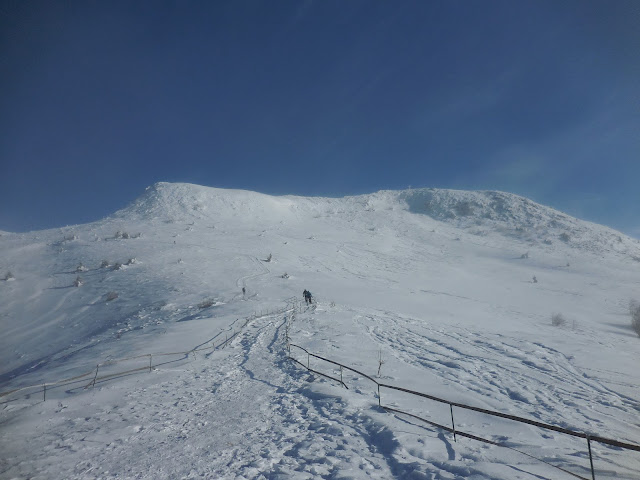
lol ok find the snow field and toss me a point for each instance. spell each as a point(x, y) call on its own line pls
point(449, 304)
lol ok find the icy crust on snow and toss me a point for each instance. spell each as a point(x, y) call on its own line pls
point(477, 212)
point(516, 216)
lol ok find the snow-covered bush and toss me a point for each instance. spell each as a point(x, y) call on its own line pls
point(117, 266)
point(9, 276)
point(81, 268)
point(131, 261)
point(558, 320)
point(564, 236)
point(104, 264)
point(78, 282)
point(634, 311)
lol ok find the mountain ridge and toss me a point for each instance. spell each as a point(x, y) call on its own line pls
point(475, 211)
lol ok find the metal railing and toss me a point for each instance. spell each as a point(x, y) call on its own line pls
point(208, 346)
point(452, 429)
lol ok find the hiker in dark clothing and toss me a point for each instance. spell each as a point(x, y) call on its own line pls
point(307, 296)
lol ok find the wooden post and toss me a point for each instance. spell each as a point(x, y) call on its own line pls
point(44, 390)
point(150, 358)
point(379, 400)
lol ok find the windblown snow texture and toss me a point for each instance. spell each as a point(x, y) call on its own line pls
point(433, 288)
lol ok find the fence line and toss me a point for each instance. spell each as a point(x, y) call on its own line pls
point(290, 305)
point(452, 429)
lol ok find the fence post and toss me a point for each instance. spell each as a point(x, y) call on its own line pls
point(452, 423)
point(44, 391)
point(593, 473)
point(94, 378)
point(341, 375)
point(379, 401)
point(308, 356)
point(150, 357)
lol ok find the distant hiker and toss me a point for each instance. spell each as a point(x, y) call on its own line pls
point(304, 295)
point(243, 291)
point(535, 280)
point(307, 297)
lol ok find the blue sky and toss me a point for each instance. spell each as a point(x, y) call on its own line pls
point(100, 99)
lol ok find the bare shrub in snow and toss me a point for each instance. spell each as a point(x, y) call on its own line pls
point(269, 258)
point(81, 268)
point(634, 311)
point(381, 361)
point(111, 296)
point(78, 282)
point(9, 276)
point(131, 261)
point(117, 266)
point(525, 255)
point(209, 302)
point(104, 264)
point(558, 320)
point(564, 236)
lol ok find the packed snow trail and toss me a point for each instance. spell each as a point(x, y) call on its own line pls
point(200, 413)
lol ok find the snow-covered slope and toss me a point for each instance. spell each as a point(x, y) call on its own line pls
point(437, 283)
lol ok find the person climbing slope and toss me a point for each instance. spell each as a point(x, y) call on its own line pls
point(307, 297)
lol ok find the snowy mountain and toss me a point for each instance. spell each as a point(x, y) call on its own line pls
point(446, 292)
